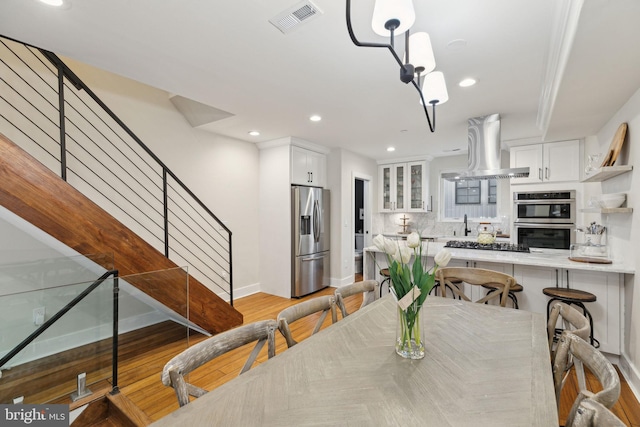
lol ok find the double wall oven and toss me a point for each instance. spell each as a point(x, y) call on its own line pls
point(545, 219)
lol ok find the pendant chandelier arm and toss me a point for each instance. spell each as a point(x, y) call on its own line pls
point(358, 43)
point(432, 126)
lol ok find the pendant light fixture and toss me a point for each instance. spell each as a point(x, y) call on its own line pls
point(393, 17)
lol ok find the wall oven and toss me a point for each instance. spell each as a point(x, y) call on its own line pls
point(545, 219)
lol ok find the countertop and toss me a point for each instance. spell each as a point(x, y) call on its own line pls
point(553, 258)
point(404, 236)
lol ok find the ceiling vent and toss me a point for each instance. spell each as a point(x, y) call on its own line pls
point(291, 18)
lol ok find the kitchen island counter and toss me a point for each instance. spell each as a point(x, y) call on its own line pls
point(535, 271)
point(553, 258)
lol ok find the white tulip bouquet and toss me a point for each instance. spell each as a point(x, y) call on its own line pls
point(410, 283)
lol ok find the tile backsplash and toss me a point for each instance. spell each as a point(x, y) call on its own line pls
point(424, 223)
point(428, 225)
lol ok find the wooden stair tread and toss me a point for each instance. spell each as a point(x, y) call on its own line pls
point(123, 409)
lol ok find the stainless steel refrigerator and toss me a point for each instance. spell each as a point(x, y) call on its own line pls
point(310, 240)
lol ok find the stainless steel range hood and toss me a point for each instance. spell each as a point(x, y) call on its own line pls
point(484, 153)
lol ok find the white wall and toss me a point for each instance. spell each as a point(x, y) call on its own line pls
point(624, 229)
point(275, 219)
point(343, 166)
point(221, 171)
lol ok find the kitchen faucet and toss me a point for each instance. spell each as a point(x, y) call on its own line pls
point(467, 230)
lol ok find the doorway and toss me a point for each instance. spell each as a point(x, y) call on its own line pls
point(361, 222)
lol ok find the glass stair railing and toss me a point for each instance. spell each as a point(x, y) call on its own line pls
point(71, 328)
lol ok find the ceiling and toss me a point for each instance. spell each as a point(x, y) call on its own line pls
point(580, 58)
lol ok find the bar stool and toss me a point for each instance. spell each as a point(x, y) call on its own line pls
point(512, 293)
point(576, 297)
point(455, 282)
point(385, 272)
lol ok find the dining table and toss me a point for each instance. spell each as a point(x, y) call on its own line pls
point(484, 366)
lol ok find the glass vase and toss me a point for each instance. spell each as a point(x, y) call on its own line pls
point(409, 335)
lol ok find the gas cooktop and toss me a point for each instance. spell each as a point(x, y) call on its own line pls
point(497, 246)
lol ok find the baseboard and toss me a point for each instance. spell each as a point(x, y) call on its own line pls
point(631, 374)
point(244, 291)
point(336, 283)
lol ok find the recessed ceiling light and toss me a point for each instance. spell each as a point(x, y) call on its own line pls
point(467, 82)
point(56, 3)
point(254, 133)
point(391, 149)
point(315, 118)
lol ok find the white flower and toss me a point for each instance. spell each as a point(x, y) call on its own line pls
point(442, 258)
point(390, 246)
point(379, 242)
point(402, 255)
point(413, 240)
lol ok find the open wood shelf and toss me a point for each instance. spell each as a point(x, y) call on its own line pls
point(607, 210)
point(604, 173)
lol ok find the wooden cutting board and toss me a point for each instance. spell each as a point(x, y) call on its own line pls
point(616, 146)
point(592, 260)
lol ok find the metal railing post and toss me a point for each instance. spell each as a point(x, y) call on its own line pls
point(114, 357)
point(63, 139)
point(230, 272)
point(166, 211)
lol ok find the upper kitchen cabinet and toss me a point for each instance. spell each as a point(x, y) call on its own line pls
point(403, 187)
point(307, 167)
point(548, 162)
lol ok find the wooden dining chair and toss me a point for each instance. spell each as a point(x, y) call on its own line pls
point(368, 289)
point(571, 320)
point(572, 345)
point(207, 350)
point(454, 279)
point(591, 413)
point(323, 305)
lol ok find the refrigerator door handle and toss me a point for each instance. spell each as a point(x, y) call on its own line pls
point(316, 221)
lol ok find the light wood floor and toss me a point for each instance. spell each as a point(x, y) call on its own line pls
point(143, 373)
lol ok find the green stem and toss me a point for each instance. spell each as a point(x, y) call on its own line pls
point(410, 325)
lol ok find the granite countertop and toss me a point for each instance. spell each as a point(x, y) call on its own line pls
point(554, 258)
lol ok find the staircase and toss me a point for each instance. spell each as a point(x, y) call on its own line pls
point(33, 192)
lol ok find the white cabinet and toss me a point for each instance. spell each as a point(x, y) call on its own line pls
point(418, 187)
point(392, 180)
point(307, 167)
point(548, 162)
point(605, 286)
point(403, 187)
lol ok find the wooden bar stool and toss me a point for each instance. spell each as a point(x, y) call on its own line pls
point(387, 279)
point(575, 297)
point(512, 293)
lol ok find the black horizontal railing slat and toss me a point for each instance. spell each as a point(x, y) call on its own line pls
point(100, 153)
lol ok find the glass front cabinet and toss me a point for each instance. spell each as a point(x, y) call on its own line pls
point(403, 187)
